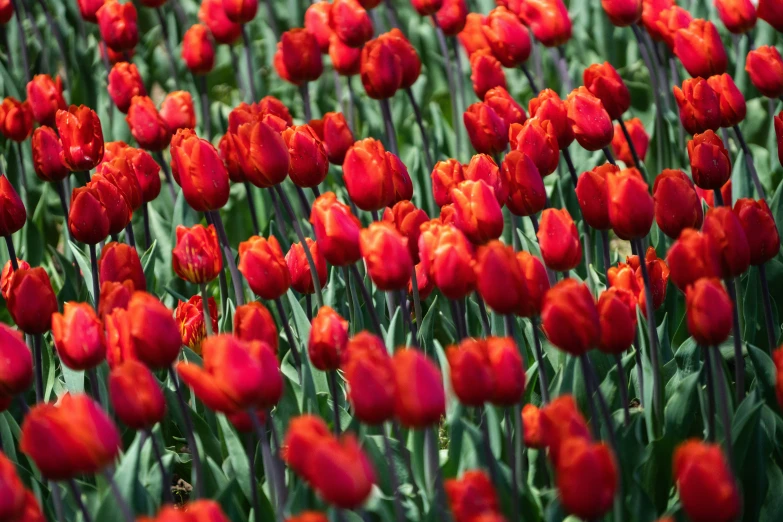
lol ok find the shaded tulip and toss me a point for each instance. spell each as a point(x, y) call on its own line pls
point(47, 152)
point(531, 426)
point(508, 370)
point(147, 172)
point(639, 138)
point(350, 22)
point(589, 120)
point(254, 322)
point(298, 57)
point(16, 119)
point(16, 373)
point(505, 107)
point(710, 163)
point(345, 60)
point(82, 138)
point(559, 240)
point(31, 300)
point(592, 194)
point(603, 82)
point(427, 7)
point(700, 49)
point(242, 421)
point(304, 433)
point(335, 135)
point(778, 122)
point(699, 106)
point(764, 66)
point(119, 343)
point(629, 277)
point(328, 337)
point(75, 437)
point(196, 257)
point(570, 318)
point(631, 208)
point(12, 492)
point(760, 229)
point(136, 396)
point(731, 100)
point(477, 212)
point(777, 358)
point(12, 212)
point(381, 68)
point(738, 16)
point(261, 153)
point(78, 336)
point(486, 72)
point(507, 37)
point(770, 12)
point(471, 36)
point(705, 482)
point(308, 164)
point(45, 97)
point(471, 496)
point(407, 219)
point(708, 309)
point(336, 230)
point(446, 175)
point(124, 83)
point(154, 335)
point(548, 19)
point(114, 295)
point(483, 168)
point(470, 372)
point(341, 472)
point(213, 15)
point(623, 13)
point(316, 21)
point(177, 111)
point(548, 106)
point(536, 284)
point(486, 130)
point(560, 420)
point(729, 240)
point(617, 314)
point(677, 206)
point(89, 9)
point(420, 400)
point(240, 11)
point(367, 369)
point(587, 478)
point(367, 175)
point(537, 139)
point(8, 275)
point(301, 279)
point(198, 49)
point(527, 195)
point(499, 278)
point(262, 263)
point(190, 318)
point(452, 16)
point(197, 168)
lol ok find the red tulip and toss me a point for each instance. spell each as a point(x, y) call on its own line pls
point(196, 257)
point(536, 284)
point(31, 300)
point(471, 35)
point(16, 119)
point(483, 168)
point(486, 72)
point(298, 267)
point(764, 65)
point(587, 478)
point(548, 106)
point(699, 106)
point(350, 22)
point(117, 23)
point(427, 7)
point(82, 138)
point(341, 472)
point(316, 21)
point(728, 237)
point(589, 120)
point(548, 19)
point(366, 175)
point(213, 15)
point(345, 60)
point(677, 206)
point(368, 371)
point(8, 275)
point(89, 9)
point(198, 49)
point(298, 57)
point(124, 83)
point(760, 229)
point(192, 324)
point(592, 193)
point(486, 130)
point(407, 219)
point(527, 195)
point(700, 49)
point(120, 262)
point(445, 176)
point(470, 372)
point(335, 134)
point(623, 13)
point(47, 152)
point(472, 496)
point(559, 240)
point(240, 11)
point(631, 208)
point(153, 335)
point(451, 16)
point(708, 309)
point(136, 395)
point(617, 314)
point(328, 338)
point(336, 230)
point(769, 11)
point(16, 374)
point(254, 322)
point(262, 263)
point(570, 317)
point(560, 421)
point(507, 37)
point(420, 400)
point(308, 164)
point(705, 482)
point(731, 101)
point(603, 82)
point(639, 138)
point(739, 16)
point(197, 168)
point(12, 212)
point(477, 212)
point(45, 97)
point(710, 163)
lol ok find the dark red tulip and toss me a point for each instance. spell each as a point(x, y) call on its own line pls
point(507, 37)
point(677, 206)
point(124, 83)
point(12, 212)
point(700, 49)
point(45, 97)
point(198, 49)
point(117, 23)
point(486, 72)
point(710, 163)
point(603, 82)
point(760, 229)
point(298, 57)
point(527, 195)
point(350, 22)
point(699, 106)
point(213, 15)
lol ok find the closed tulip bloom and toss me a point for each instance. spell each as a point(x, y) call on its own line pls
point(560, 420)
point(639, 138)
point(124, 83)
point(508, 370)
point(505, 107)
point(261, 153)
point(483, 168)
point(708, 309)
point(421, 400)
point(198, 49)
point(586, 478)
point(113, 296)
point(592, 193)
point(117, 23)
point(537, 139)
point(559, 240)
point(651, 13)
point(336, 230)
point(617, 313)
point(308, 164)
point(366, 174)
point(760, 229)
point(427, 7)
point(452, 16)
point(136, 395)
point(589, 120)
point(368, 370)
point(196, 257)
point(764, 65)
point(147, 172)
point(89, 9)
point(486, 130)
point(197, 168)
point(190, 318)
point(407, 219)
point(731, 100)
point(705, 482)
point(111, 198)
point(471, 36)
point(603, 82)
point(700, 49)
point(82, 137)
point(446, 175)
point(401, 179)
point(769, 11)
point(629, 277)
point(631, 208)
point(341, 472)
point(623, 13)
point(699, 106)
point(350, 22)
point(262, 263)
point(385, 251)
point(119, 173)
point(301, 279)
point(570, 318)
point(447, 256)
point(335, 135)
point(471, 496)
point(7, 276)
point(739, 16)
point(677, 206)
point(531, 426)
point(12, 492)
point(120, 262)
point(16, 374)
point(670, 21)
point(470, 372)
point(254, 322)
point(119, 343)
point(177, 111)
point(381, 68)
point(499, 278)
point(298, 57)
point(75, 437)
point(477, 211)
point(710, 163)
point(548, 19)
point(328, 337)
point(409, 58)
point(536, 284)
point(154, 334)
point(240, 11)
point(486, 73)
point(47, 152)
point(31, 300)
point(16, 119)
point(45, 98)
point(213, 15)
point(548, 106)
point(316, 20)
point(729, 240)
point(304, 433)
point(345, 60)
point(527, 195)
point(12, 212)
point(507, 37)
point(146, 125)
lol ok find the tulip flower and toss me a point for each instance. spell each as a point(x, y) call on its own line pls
point(560, 420)
point(341, 472)
point(777, 358)
point(117, 23)
point(88, 219)
point(82, 137)
point(445, 176)
point(427, 7)
point(367, 175)
point(728, 238)
point(764, 66)
point(190, 318)
point(304, 433)
point(12, 212)
point(739, 16)
point(548, 19)
point(731, 100)
point(559, 240)
point(477, 212)
point(527, 195)
point(328, 338)
point(677, 206)
point(603, 82)
point(472, 496)
point(507, 37)
point(402, 186)
point(508, 370)
point(177, 111)
point(424, 284)
point(631, 208)
point(694, 255)
point(45, 98)
point(146, 125)
point(538, 140)
point(13, 492)
point(407, 219)
point(471, 36)
point(589, 120)
point(381, 68)
point(483, 168)
point(593, 195)
point(699, 106)
point(298, 57)
point(548, 106)
point(316, 21)
point(262, 263)
point(336, 230)
point(367, 369)
point(486, 130)
point(639, 139)
point(261, 169)
point(570, 318)
point(31, 300)
point(16, 375)
point(47, 150)
point(623, 13)
point(114, 296)
point(420, 400)
point(708, 309)
point(254, 322)
point(16, 119)
point(335, 135)
point(119, 173)
point(486, 72)
point(769, 11)
point(705, 482)
point(536, 284)
point(198, 49)
point(72, 438)
point(385, 252)
point(7, 277)
point(111, 199)
point(301, 278)
point(196, 257)
point(147, 172)
point(452, 16)
point(308, 164)
point(153, 334)
point(213, 15)
point(760, 229)
point(240, 11)
point(505, 107)
point(124, 83)
point(499, 278)
point(710, 163)
point(708, 196)
point(470, 372)
point(197, 168)
point(89, 9)
point(136, 395)
point(617, 315)
point(651, 13)
point(350, 22)
point(587, 477)
point(78, 336)
point(531, 426)
point(120, 262)
point(700, 49)
point(345, 60)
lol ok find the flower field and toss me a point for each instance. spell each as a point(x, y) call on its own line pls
point(388, 261)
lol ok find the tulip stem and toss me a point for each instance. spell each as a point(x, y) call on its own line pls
point(166, 172)
point(333, 387)
point(350, 117)
point(710, 395)
point(455, 315)
point(127, 514)
point(724, 405)
point(205, 307)
point(456, 121)
point(239, 293)
point(250, 448)
point(164, 474)
point(458, 74)
point(9, 242)
point(605, 249)
point(94, 388)
point(391, 134)
point(57, 500)
point(543, 380)
point(304, 92)
point(489, 458)
point(288, 334)
point(609, 156)
point(637, 162)
point(266, 455)
point(189, 434)
point(164, 31)
point(416, 299)
point(22, 42)
point(623, 388)
point(309, 307)
point(147, 234)
point(58, 37)
point(251, 204)
point(77, 497)
point(424, 139)
point(512, 463)
point(130, 238)
point(38, 354)
point(749, 163)
point(639, 370)
point(393, 478)
point(201, 86)
point(8, 55)
point(739, 360)
point(509, 321)
point(319, 298)
point(96, 289)
point(368, 302)
point(585, 227)
point(562, 68)
point(652, 68)
point(350, 292)
point(483, 315)
point(406, 316)
point(768, 320)
point(431, 450)
point(249, 61)
point(271, 20)
point(718, 197)
point(530, 79)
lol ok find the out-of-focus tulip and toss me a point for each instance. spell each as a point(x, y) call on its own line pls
point(16, 119)
point(471, 36)
point(447, 256)
point(486, 72)
point(420, 400)
point(254, 322)
point(623, 13)
point(47, 152)
point(124, 83)
point(117, 23)
point(16, 374)
point(446, 175)
point(262, 263)
point(31, 300)
point(593, 195)
point(367, 175)
point(507, 37)
point(651, 13)
point(559, 240)
point(538, 140)
point(308, 516)
point(190, 318)
point(336, 230)
point(350, 22)
point(316, 20)
point(499, 278)
point(73, 438)
point(700, 49)
point(586, 478)
point(570, 318)
point(119, 343)
point(589, 120)
point(731, 100)
point(617, 313)
point(301, 279)
point(240, 11)
point(198, 169)
point(770, 12)
point(213, 15)
point(508, 370)
point(335, 134)
point(505, 107)
point(548, 106)
point(328, 338)
point(483, 168)
point(12, 492)
point(669, 22)
point(536, 284)
point(760, 229)
point(639, 138)
point(729, 240)
point(527, 195)
point(710, 163)
point(778, 122)
point(341, 472)
point(451, 17)
point(368, 371)
point(147, 172)
point(472, 496)
point(631, 208)
point(531, 426)
point(196, 257)
point(764, 65)
point(136, 395)
point(477, 212)
point(427, 7)
point(298, 57)
point(705, 482)
point(154, 334)
point(708, 309)
point(45, 97)
point(12, 212)
point(198, 49)
point(381, 68)
point(82, 138)
point(548, 19)
point(177, 111)
point(560, 420)
point(738, 16)
point(777, 357)
point(486, 130)
point(345, 60)
point(308, 164)
point(699, 106)
point(120, 262)
point(425, 284)
point(470, 372)
point(603, 82)
point(89, 9)
point(304, 433)
point(8, 275)
point(677, 206)
point(114, 295)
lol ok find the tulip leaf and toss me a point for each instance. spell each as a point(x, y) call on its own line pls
point(148, 263)
point(237, 455)
point(764, 369)
point(74, 380)
point(83, 260)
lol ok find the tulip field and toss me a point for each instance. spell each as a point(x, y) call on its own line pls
point(390, 261)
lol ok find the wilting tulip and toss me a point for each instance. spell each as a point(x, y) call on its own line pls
point(527, 195)
point(548, 19)
point(486, 130)
point(639, 138)
point(16, 374)
point(420, 400)
point(483, 168)
point(764, 65)
point(593, 195)
point(147, 172)
point(154, 335)
point(486, 73)
point(471, 36)
point(499, 278)
point(16, 119)
point(728, 238)
point(136, 395)
point(560, 420)
point(505, 107)
point(760, 229)
point(31, 300)
point(677, 206)
point(75, 437)
point(381, 68)
point(769, 11)
point(451, 17)
point(368, 371)
point(328, 338)
point(536, 284)
point(336, 230)
point(708, 309)
point(196, 257)
point(589, 120)
point(570, 318)
point(603, 82)
point(345, 60)
point(472, 496)
point(308, 164)
point(705, 482)
point(240, 11)
point(350, 22)
point(548, 106)
point(507, 37)
point(341, 472)
point(120, 262)
point(710, 163)
point(731, 100)
point(82, 138)
point(470, 372)
point(197, 168)
point(445, 176)
point(8, 275)
point(192, 326)
point(12, 212)
point(738, 16)
point(298, 57)
point(198, 49)
point(587, 478)
point(335, 135)
point(298, 267)
point(617, 314)
point(699, 106)
point(124, 83)
point(531, 426)
point(45, 97)
point(304, 433)
point(213, 15)
point(254, 322)
point(316, 21)
point(117, 23)
point(262, 263)
point(477, 212)
point(367, 175)
point(538, 140)
point(631, 208)
point(407, 219)
point(559, 240)
point(700, 49)
point(623, 13)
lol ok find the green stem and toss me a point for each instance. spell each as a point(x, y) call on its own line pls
point(205, 307)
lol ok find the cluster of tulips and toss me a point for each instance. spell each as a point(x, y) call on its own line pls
point(347, 414)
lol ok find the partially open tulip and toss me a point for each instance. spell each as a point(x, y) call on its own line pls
point(617, 314)
point(196, 257)
point(589, 120)
point(452, 16)
point(298, 57)
point(74, 437)
point(402, 186)
point(472, 496)
point(298, 267)
point(587, 478)
point(538, 140)
point(336, 230)
point(477, 212)
point(486, 130)
point(308, 165)
point(486, 73)
point(548, 19)
point(729, 240)
point(446, 175)
point(350, 22)
point(154, 335)
point(559, 240)
point(117, 23)
point(560, 420)
point(213, 15)
point(708, 309)
point(548, 106)
point(31, 300)
point(769, 11)
point(240, 11)
point(499, 278)
point(16, 374)
point(570, 318)
point(192, 324)
point(177, 111)
point(47, 152)
point(254, 322)
point(136, 395)
point(700, 49)
point(341, 472)
point(124, 83)
point(88, 220)
point(623, 13)
point(385, 252)
point(731, 100)
point(629, 277)
point(119, 173)
point(335, 134)
point(677, 206)
point(262, 263)
point(45, 98)
point(12, 212)
point(421, 399)
point(82, 138)
point(507, 37)
point(328, 337)
point(760, 229)
point(764, 65)
point(699, 106)
point(367, 175)
point(410, 63)
point(505, 106)
point(710, 163)
point(631, 208)
point(470, 372)
point(536, 284)
point(603, 82)
point(198, 169)
point(527, 195)
point(639, 138)
point(120, 262)
point(705, 482)
point(651, 13)
point(592, 193)
point(368, 371)
point(738, 16)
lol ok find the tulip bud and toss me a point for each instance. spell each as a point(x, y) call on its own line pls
point(147, 172)
point(192, 326)
point(470, 371)
point(527, 195)
point(769, 11)
point(471, 496)
point(407, 219)
point(531, 426)
point(335, 135)
point(82, 138)
point(499, 278)
point(213, 15)
point(136, 395)
point(631, 208)
point(760, 229)
point(16, 374)
point(368, 371)
point(677, 206)
point(421, 400)
point(445, 176)
point(536, 284)
point(570, 318)
point(125, 83)
point(316, 21)
point(651, 14)
point(154, 335)
point(345, 60)
point(700, 49)
point(366, 175)
point(764, 65)
point(630, 278)
point(117, 23)
point(16, 119)
point(507, 37)
point(308, 164)
point(254, 322)
point(560, 420)
point(451, 16)
point(240, 11)
point(731, 100)
point(603, 82)
point(328, 337)
point(623, 13)
point(47, 151)
point(471, 36)
point(12, 212)
point(196, 257)
point(31, 300)
point(710, 163)
point(559, 240)
point(262, 263)
point(8, 275)
point(739, 16)
point(548, 19)
point(336, 230)
point(589, 120)
point(88, 220)
point(119, 173)
point(708, 309)
point(593, 195)
point(699, 106)
point(45, 98)
point(548, 106)
point(298, 57)
point(177, 111)
point(728, 237)
point(705, 482)
point(537, 139)
point(197, 168)
point(505, 107)
point(639, 138)
point(341, 472)
point(617, 315)
point(298, 267)
point(350, 22)
point(410, 62)
point(586, 478)
point(485, 128)
point(486, 73)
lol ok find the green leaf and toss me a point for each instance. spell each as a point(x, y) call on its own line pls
point(83, 260)
point(237, 456)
